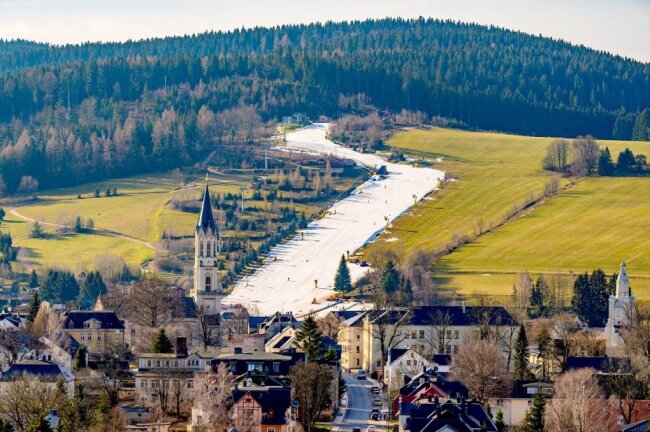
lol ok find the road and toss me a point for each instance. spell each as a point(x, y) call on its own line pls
point(299, 274)
point(359, 406)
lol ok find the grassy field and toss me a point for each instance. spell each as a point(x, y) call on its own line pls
point(141, 213)
point(594, 223)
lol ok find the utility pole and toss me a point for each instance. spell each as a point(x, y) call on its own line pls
point(242, 188)
point(266, 156)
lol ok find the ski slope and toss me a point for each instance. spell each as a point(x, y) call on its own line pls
point(287, 282)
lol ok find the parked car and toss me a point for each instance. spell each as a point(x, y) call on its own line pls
point(371, 428)
point(356, 429)
point(361, 374)
point(376, 401)
point(374, 414)
point(374, 390)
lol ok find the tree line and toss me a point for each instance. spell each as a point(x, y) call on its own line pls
point(82, 112)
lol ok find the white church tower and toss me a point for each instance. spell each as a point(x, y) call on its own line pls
point(620, 306)
point(207, 245)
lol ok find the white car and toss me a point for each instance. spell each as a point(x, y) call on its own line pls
point(371, 428)
point(361, 374)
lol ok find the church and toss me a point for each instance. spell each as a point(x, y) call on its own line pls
point(621, 304)
point(206, 291)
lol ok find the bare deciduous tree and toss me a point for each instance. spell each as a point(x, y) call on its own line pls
point(435, 336)
point(25, 399)
point(578, 404)
point(481, 366)
point(564, 325)
point(312, 383)
point(154, 302)
point(557, 156)
point(330, 325)
point(585, 155)
point(206, 329)
point(15, 345)
point(213, 395)
point(388, 327)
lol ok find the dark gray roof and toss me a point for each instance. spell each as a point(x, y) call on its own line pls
point(206, 219)
point(46, 371)
point(108, 319)
point(452, 315)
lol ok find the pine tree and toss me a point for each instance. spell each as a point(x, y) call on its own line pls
point(623, 126)
point(534, 420)
point(641, 124)
point(309, 339)
point(342, 280)
point(92, 288)
point(34, 306)
point(77, 225)
point(161, 343)
point(499, 422)
point(37, 230)
point(390, 279)
point(520, 360)
point(80, 358)
point(590, 298)
point(33, 279)
point(605, 164)
point(545, 352)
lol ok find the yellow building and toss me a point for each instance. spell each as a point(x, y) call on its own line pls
point(98, 331)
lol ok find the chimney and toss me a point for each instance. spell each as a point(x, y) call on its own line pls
point(399, 404)
point(238, 350)
point(181, 346)
point(430, 397)
point(463, 306)
point(436, 402)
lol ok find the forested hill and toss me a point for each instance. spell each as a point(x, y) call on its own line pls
point(85, 98)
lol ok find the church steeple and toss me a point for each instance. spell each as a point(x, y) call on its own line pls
point(207, 287)
point(622, 283)
point(206, 221)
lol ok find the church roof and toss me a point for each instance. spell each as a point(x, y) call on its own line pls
point(206, 219)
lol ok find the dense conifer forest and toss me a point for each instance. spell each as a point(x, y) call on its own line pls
point(83, 112)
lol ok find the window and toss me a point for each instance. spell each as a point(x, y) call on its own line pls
point(87, 324)
point(233, 366)
point(99, 337)
point(209, 245)
point(89, 337)
point(148, 363)
point(421, 334)
point(408, 362)
point(448, 334)
point(254, 366)
point(276, 367)
point(358, 337)
point(414, 335)
point(190, 384)
point(144, 383)
point(448, 349)
point(357, 362)
point(456, 334)
point(357, 347)
point(270, 430)
point(82, 337)
point(208, 283)
point(455, 349)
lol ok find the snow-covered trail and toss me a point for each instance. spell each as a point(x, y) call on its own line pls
point(287, 281)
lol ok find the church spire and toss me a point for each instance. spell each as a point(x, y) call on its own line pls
point(622, 282)
point(206, 219)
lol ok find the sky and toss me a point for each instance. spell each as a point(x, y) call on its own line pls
point(617, 26)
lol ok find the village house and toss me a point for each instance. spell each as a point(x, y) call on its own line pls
point(44, 371)
point(99, 331)
point(428, 330)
